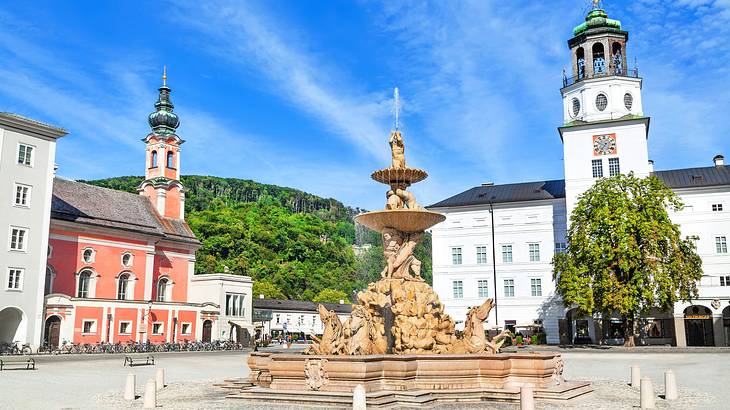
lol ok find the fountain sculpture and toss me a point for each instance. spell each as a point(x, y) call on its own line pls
point(398, 342)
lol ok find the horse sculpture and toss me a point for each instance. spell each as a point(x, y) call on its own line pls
point(363, 337)
point(474, 340)
point(330, 342)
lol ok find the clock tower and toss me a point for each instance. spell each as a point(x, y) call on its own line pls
point(604, 129)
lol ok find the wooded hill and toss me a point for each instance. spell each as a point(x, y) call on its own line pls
point(292, 243)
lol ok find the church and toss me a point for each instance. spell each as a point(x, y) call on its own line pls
point(498, 240)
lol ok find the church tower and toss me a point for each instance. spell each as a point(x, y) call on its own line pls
point(162, 172)
point(604, 129)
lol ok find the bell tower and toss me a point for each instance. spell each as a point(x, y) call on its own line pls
point(604, 129)
point(162, 164)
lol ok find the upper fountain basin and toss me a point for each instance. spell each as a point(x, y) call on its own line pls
point(404, 220)
point(399, 176)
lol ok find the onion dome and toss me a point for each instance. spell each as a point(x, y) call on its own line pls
point(163, 120)
point(596, 19)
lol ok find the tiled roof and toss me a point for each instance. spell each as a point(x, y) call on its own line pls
point(298, 305)
point(525, 191)
point(91, 205)
point(695, 177)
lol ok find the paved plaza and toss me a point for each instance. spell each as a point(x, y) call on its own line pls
point(92, 383)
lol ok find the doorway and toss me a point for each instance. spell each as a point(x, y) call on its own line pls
point(207, 330)
point(52, 331)
point(698, 326)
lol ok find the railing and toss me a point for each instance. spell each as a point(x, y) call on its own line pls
point(633, 73)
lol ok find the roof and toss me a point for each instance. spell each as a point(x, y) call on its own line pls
point(29, 124)
point(695, 177)
point(532, 191)
point(108, 208)
point(299, 305)
point(525, 191)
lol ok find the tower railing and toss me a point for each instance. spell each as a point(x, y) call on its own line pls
point(632, 73)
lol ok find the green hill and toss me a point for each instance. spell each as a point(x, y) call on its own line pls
point(291, 242)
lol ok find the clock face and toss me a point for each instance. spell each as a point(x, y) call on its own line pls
point(604, 144)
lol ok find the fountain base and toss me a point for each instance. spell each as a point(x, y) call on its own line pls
point(405, 380)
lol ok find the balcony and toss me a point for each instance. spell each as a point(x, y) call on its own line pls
point(631, 73)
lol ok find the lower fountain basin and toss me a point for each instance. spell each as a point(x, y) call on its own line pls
point(404, 220)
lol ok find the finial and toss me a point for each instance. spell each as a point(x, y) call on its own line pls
point(396, 102)
point(596, 3)
point(164, 75)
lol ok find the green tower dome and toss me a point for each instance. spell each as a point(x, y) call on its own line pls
point(596, 18)
point(163, 120)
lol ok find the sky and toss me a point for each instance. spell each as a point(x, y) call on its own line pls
point(300, 93)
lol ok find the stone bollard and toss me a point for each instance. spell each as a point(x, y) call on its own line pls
point(635, 376)
point(160, 378)
point(670, 386)
point(359, 401)
point(527, 398)
point(150, 394)
point(647, 394)
point(129, 393)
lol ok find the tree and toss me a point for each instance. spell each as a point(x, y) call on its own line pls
point(268, 289)
point(624, 254)
point(331, 296)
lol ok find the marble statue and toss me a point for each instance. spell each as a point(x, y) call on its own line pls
point(397, 149)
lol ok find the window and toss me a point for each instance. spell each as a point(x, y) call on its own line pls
point(716, 207)
point(560, 247)
point(597, 166)
point(234, 304)
point(507, 253)
point(725, 280)
point(481, 254)
point(170, 160)
point(536, 287)
point(25, 154)
point(534, 249)
point(720, 244)
point(456, 256)
point(162, 289)
point(458, 287)
point(483, 288)
point(18, 238)
point(84, 284)
point(89, 326)
point(576, 107)
point(48, 288)
point(613, 167)
point(157, 328)
point(22, 195)
point(154, 159)
point(601, 102)
point(127, 260)
point(125, 328)
point(88, 255)
point(628, 101)
point(278, 318)
point(15, 278)
point(123, 286)
point(185, 328)
point(509, 288)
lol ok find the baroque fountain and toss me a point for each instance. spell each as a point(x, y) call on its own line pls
point(398, 342)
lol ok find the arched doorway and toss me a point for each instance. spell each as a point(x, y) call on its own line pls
point(11, 319)
point(207, 330)
point(726, 324)
point(52, 331)
point(698, 326)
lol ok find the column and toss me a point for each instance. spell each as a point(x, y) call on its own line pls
point(679, 335)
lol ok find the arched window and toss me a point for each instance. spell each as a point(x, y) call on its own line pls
point(617, 58)
point(154, 159)
point(84, 284)
point(162, 293)
point(169, 159)
point(123, 286)
point(580, 61)
point(599, 59)
point(48, 289)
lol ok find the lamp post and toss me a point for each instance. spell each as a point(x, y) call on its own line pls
point(494, 263)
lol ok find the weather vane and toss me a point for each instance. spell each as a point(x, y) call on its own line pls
point(396, 103)
point(596, 4)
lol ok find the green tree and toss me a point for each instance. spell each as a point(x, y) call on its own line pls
point(331, 296)
point(268, 289)
point(624, 254)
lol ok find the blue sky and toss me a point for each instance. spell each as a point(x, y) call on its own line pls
point(300, 93)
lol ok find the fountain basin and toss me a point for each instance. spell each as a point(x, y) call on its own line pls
point(404, 220)
point(402, 177)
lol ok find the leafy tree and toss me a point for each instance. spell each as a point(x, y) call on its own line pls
point(624, 253)
point(268, 289)
point(331, 296)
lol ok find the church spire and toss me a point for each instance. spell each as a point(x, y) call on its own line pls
point(163, 120)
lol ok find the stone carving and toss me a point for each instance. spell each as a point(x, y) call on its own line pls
point(315, 373)
point(715, 304)
point(397, 150)
point(363, 334)
point(558, 372)
point(331, 336)
point(398, 251)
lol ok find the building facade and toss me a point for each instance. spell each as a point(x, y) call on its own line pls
point(233, 294)
point(499, 240)
point(276, 318)
point(27, 156)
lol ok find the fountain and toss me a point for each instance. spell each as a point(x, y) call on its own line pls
point(398, 342)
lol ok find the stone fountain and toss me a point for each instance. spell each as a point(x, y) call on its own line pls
point(398, 342)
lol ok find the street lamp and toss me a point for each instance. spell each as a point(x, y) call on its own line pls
point(494, 262)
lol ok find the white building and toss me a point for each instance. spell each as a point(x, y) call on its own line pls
point(232, 293)
point(516, 228)
point(294, 317)
point(27, 157)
